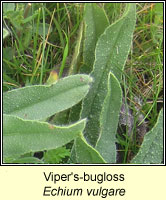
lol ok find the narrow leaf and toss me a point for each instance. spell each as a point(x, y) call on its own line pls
point(42, 101)
point(86, 154)
point(28, 160)
point(109, 120)
point(111, 53)
point(95, 23)
point(151, 150)
point(7, 7)
point(65, 54)
point(74, 67)
point(24, 136)
point(93, 16)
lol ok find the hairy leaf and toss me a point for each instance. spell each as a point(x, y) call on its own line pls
point(109, 120)
point(42, 101)
point(111, 53)
point(151, 150)
point(24, 136)
point(24, 160)
point(93, 16)
point(95, 23)
point(86, 154)
point(74, 67)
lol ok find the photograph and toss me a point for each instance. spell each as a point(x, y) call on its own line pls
point(82, 83)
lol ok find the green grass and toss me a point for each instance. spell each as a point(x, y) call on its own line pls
point(47, 41)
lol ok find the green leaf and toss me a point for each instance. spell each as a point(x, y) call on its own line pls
point(65, 54)
point(30, 18)
point(27, 36)
point(93, 16)
point(151, 150)
point(109, 120)
point(40, 28)
point(56, 155)
point(77, 51)
point(29, 160)
point(86, 154)
point(42, 101)
point(8, 7)
point(158, 23)
point(8, 53)
point(24, 136)
point(74, 68)
point(158, 9)
point(111, 53)
point(96, 22)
